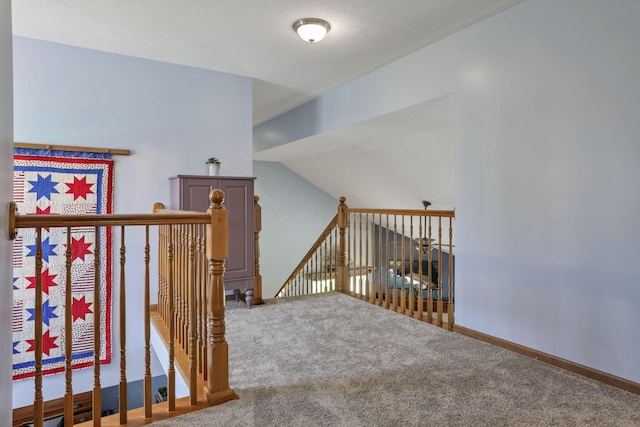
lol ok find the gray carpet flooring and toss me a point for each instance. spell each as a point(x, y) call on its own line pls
point(332, 360)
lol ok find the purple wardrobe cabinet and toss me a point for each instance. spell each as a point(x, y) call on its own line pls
point(191, 192)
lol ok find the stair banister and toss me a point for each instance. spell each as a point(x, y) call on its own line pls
point(217, 389)
point(342, 272)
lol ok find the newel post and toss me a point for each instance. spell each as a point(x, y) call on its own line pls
point(342, 272)
point(217, 389)
point(257, 228)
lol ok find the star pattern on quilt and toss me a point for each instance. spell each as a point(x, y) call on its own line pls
point(79, 188)
point(47, 281)
point(80, 309)
point(43, 186)
point(48, 343)
point(47, 250)
point(80, 249)
point(61, 184)
point(47, 313)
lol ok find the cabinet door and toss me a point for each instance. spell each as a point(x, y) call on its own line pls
point(192, 193)
point(239, 203)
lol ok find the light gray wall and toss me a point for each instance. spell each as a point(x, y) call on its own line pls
point(172, 117)
point(548, 217)
point(294, 213)
point(6, 194)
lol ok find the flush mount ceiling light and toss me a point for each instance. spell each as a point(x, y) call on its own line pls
point(311, 30)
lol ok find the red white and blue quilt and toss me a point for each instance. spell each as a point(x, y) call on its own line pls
point(57, 183)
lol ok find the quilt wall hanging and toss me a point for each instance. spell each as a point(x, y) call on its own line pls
point(61, 182)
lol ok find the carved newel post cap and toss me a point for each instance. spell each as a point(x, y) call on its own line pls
point(342, 200)
point(256, 199)
point(216, 197)
point(157, 206)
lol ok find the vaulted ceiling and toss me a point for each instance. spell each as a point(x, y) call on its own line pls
point(255, 38)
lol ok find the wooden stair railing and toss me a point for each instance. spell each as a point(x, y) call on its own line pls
point(197, 240)
point(401, 259)
point(317, 266)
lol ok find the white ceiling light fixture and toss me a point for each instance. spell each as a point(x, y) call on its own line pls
point(311, 30)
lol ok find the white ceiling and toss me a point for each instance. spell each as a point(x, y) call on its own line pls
point(254, 37)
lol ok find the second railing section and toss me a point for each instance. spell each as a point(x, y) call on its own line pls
point(403, 260)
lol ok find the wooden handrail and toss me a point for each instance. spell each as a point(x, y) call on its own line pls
point(408, 212)
point(164, 216)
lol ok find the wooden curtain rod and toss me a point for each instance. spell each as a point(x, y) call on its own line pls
point(114, 151)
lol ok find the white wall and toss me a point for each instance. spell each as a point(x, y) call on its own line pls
point(172, 117)
point(294, 213)
point(6, 194)
point(548, 216)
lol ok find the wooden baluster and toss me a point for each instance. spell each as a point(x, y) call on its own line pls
point(123, 332)
point(430, 274)
point(381, 269)
point(332, 263)
point(314, 271)
point(171, 373)
point(322, 268)
point(147, 305)
point(179, 286)
point(351, 259)
point(38, 404)
point(394, 306)
point(347, 260)
point(421, 273)
point(97, 388)
point(68, 323)
point(362, 289)
point(421, 257)
point(184, 286)
point(257, 228)
point(147, 327)
point(200, 281)
point(217, 389)
point(165, 284)
point(177, 283)
point(385, 265)
point(400, 242)
point(369, 267)
point(165, 281)
point(204, 274)
point(311, 273)
point(412, 295)
point(164, 303)
point(162, 242)
point(193, 390)
point(303, 283)
point(440, 307)
point(450, 295)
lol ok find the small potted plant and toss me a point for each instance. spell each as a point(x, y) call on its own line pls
point(214, 166)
